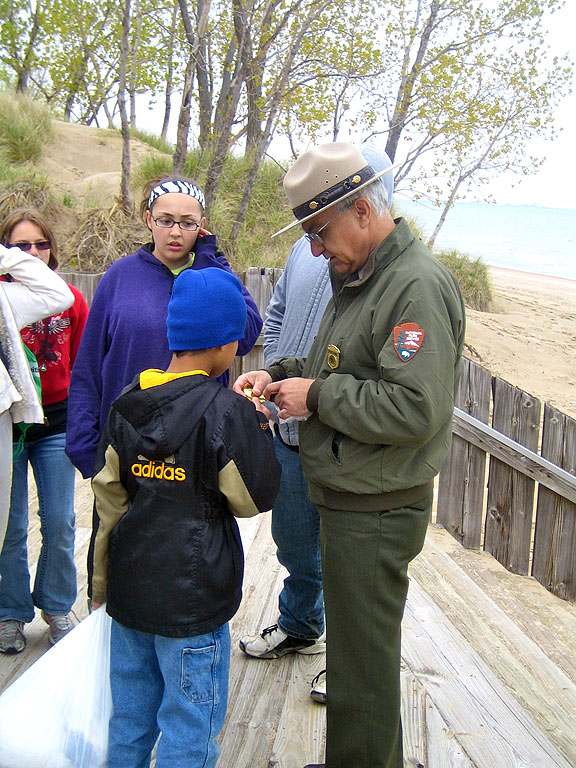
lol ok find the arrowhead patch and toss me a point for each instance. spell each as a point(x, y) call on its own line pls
point(408, 339)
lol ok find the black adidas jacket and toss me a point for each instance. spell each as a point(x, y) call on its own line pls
point(174, 464)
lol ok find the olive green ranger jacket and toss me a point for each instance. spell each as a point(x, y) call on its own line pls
point(385, 365)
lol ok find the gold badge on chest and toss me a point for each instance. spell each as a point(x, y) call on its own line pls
point(333, 356)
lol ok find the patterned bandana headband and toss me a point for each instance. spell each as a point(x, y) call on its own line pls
point(183, 187)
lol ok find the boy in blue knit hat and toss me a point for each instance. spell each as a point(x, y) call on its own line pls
point(179, 458)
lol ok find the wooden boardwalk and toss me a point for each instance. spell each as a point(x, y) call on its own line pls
point(489, 663)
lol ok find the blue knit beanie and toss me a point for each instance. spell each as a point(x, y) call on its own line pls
point(207, 309)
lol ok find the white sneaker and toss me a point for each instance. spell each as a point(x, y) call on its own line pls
point(12, 638)
point(272, 643)
point(318, 692)
point(59, 626)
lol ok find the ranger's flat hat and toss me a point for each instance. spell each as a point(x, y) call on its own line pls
point(323, 176)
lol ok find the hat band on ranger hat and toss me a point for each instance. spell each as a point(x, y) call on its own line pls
point(333, 194)
point(349, 171)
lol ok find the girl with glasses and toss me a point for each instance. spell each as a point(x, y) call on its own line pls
point(54, 341)
point(126, 330)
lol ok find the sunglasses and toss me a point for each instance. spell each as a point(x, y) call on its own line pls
point(41, 245)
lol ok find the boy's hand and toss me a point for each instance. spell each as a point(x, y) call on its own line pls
point(95, 606)
point(257, 381)
point(203, 232)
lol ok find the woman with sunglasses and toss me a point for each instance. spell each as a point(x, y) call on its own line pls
point(126, 330)
point(54, 342)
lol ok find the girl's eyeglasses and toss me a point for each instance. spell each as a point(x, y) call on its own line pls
point(185, 224)
point(40, 245)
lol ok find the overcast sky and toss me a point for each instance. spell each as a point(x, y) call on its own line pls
point(555, 184)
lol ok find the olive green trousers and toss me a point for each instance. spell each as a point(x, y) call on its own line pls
point(365, 557)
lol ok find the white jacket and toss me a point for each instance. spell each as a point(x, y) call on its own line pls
point(37, 292)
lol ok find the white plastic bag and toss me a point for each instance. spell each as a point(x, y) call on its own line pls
point(56, 714)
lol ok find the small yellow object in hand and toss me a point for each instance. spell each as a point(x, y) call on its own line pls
point(248, 393)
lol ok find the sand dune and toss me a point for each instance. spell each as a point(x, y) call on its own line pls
point(529, 339)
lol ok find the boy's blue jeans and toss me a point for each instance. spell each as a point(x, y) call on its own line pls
point(55, 582)
point(296, 533)
point(176, 686)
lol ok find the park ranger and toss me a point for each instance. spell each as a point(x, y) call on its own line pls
point(377, 393)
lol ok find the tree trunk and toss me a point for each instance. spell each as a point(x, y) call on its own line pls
point(204, 93)
point(125, 200)
point(181, 148)
point(194, 39)
point(103, 91)
point(24, 73)
point(266, 135)
point(74, 87)
point(222, 145)
point(407, 83)
point(134, 62)
point(169, 75)
point(449, 203)
point(231, 72)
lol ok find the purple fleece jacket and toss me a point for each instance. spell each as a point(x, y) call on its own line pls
point(126, 334)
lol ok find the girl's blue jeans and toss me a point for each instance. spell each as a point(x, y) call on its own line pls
point(175, 687)
point(55, 582)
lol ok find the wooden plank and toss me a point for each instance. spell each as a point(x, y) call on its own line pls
point(484, 717)
point(259, 688)
point(512, 453)
point(443, 748)
point(302, 723)
point(510, 493)
point(461, 483)
point(544, 690)
point(37, 643)
point(86, 282)
point(413, 712)
point(540, 616)
point(428, 741)
point(258, 281)
point(554, 562)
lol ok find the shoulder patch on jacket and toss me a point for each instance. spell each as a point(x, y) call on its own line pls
point(408, 339)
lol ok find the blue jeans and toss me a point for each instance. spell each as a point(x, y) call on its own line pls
point(55, 583)
point(176, 686)
point(296, 532)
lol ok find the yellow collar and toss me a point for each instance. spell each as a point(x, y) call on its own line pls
point(154, 377)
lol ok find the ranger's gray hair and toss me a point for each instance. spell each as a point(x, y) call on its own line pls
point(376, 194)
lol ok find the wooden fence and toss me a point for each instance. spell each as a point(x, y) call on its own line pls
point(509, 483)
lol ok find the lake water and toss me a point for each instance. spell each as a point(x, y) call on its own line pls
point(523, 237)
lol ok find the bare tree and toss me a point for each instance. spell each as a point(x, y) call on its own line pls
point(125, 199)
point(194, 37)
point(169, 72)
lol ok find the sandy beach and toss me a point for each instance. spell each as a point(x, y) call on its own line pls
point(529, 337)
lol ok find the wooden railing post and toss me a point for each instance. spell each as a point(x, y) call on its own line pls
point(554, 561)
point(462, 480)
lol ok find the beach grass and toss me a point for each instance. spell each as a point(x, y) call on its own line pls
point(473, 277)
point(25, 126)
